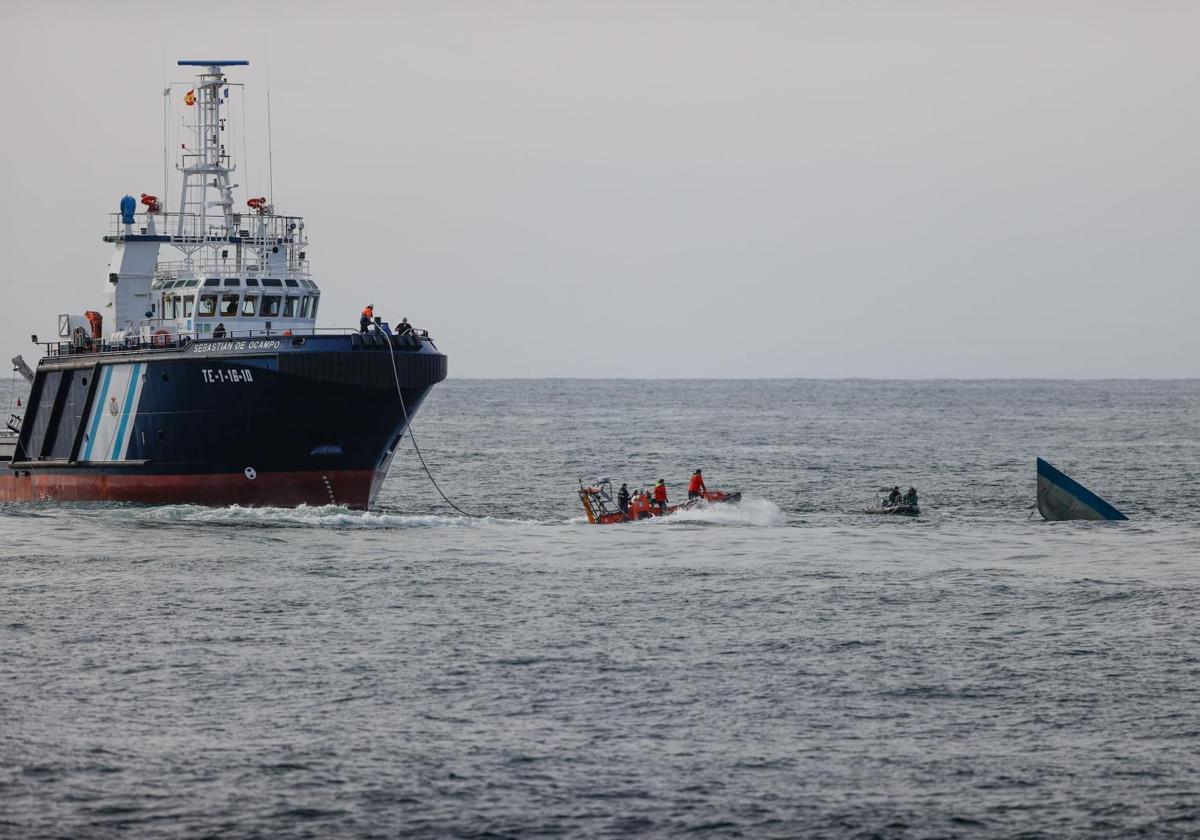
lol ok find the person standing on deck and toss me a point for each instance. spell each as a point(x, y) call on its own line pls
point(639, 506)
point(623, 499)
point(368, 315)
point(696, 488)
point(660, 495)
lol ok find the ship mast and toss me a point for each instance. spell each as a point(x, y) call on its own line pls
point(206, 165)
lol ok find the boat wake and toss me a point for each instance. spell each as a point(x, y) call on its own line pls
point(308, 517)
point(760, 513)
point(754, 513)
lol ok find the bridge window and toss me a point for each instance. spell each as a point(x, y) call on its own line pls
point(170, 307)
point(315, 301)
point(249, 306)
point(291, 284)
point(229, 306)
point(187, 306)
point(289, 307)
point(232, 281)
point(270, 306)
point(193, 283)
point(305, 306)
point(272, 281)
point(207, 307)
point(251, 281)
point(213, 281)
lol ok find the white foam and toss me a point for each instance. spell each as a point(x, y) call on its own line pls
point(760, 513)
point(311, 517)
point(757, 512)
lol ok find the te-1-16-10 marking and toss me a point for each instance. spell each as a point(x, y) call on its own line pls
point(224, 375)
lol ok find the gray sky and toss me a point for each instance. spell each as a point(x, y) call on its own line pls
point(686, 189)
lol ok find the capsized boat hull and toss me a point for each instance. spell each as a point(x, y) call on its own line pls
point(1061, 498)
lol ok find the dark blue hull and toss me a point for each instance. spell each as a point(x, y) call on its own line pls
point(1060, 497)
point(277, 421)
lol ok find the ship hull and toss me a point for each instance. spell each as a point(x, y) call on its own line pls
point(1061, 498)
point(281, 422)
point(352, 488)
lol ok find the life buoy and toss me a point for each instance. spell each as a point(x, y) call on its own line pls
point(161, 338)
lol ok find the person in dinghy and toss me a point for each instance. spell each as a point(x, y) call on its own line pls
point(601, 508)
point(897, 503)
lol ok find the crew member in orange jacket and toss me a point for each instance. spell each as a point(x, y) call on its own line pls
point(696, 488)
point(639, 506)
point(660, 496)
point(368, 315)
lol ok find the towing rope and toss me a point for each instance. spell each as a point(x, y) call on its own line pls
point(412, 437)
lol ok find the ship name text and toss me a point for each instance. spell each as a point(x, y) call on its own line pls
point(233, 346)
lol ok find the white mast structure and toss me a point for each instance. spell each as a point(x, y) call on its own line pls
point(241, 274)
point(206, 167)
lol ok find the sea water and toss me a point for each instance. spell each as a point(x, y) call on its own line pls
point(788, 666)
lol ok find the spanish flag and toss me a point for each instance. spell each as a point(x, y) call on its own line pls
point(190, 97)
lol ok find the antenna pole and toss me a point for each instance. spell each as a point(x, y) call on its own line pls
point(270, 147)
point(166, 105)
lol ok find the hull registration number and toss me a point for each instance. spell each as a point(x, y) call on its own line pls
point(237, 375)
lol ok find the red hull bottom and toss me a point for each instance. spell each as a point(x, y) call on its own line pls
point(351, 488)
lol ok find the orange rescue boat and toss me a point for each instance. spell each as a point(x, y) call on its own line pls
point(602, 509)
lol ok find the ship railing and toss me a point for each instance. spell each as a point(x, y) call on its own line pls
point(248, 228)
point(136, 342)
point(217, 267)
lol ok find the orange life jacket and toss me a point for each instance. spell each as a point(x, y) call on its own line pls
point(696, 485)
point(660, 492)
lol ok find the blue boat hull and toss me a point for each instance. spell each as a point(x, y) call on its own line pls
point(1060, 497)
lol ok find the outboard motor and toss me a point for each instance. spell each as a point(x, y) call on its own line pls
point(128, 206)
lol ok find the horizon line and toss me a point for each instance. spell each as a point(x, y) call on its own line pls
point(839, 378)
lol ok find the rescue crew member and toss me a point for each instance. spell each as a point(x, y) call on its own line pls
point(660, 495)
point(403, 327)
point(623, 499)
point(696, 488)
point(910, 498)
point(368, 315)
point(894, 497)
point(639, 506)
point(219, 332)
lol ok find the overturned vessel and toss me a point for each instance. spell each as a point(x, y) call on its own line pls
point(204, 378)
point(1060, 497)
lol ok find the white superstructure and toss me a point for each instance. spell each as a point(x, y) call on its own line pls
point(210, 269)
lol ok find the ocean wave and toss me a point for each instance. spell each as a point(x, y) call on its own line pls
point(750, 512)
point(309, 517)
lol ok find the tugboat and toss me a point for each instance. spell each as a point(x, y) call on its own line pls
point(600, 509)
point(212, 383)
